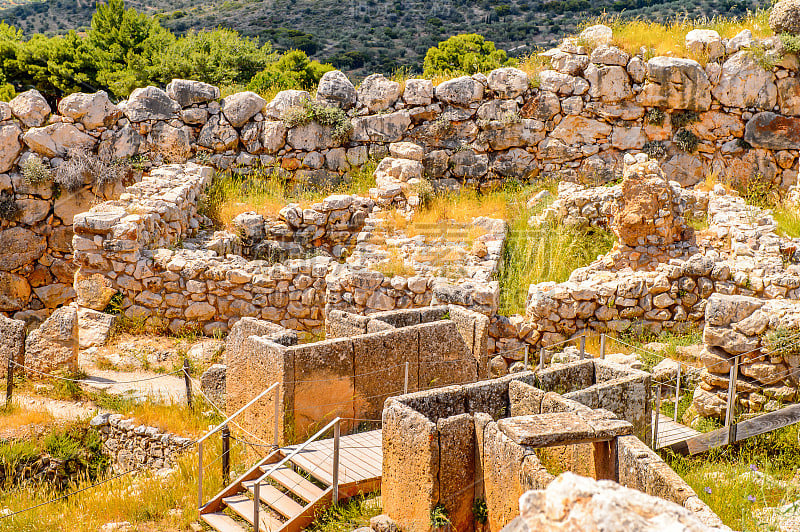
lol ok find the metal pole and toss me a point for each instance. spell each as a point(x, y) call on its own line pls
point(256, 504)
point(602, 346)
point(200, 474)
point(656, 414)
point(541, 358)
point(405, 385)
point(677, 393)
point(226, 457)
point(336, 463)
point(526, 357)
point(9, 381)
point(731, 401)
point(583, 346)
point(276, 419)
point(187, 381)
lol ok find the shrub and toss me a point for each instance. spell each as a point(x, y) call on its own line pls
point(783, 341)
point(464, 54)
point(480, 511)
point(83, 167)
point(681, 119)
point(9, 209)
point(654, 149)
point(35, 171)
point(439, 518)
point(323, 115)
point(655, 116)
point(686, 140)
point(757, 190)
point(791, 43)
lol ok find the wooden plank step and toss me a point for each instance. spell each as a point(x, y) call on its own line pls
point(274, 498)
point(295, 483)
point(242, 505)
point(221, 522)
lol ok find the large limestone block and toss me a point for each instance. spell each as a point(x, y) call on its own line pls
point(378, 93)
point(310, 137)
point(580, 130)
point(172, 142)
point(12, 342)
point(150, 103)
point(445, 358)
point(410, 480)
point(335, 90)
point(789, 96)
point(56, 140)
point(771, 131)
point(92, 110)
point(381, 128)
point(54, 345)
point(418, 92)
point(123, 143)
point(723, 310)
point(461, 91)
point(379, 368)
point(744, 83)
point(572, 502)
point(217, 134)
point(94, 328)
point(323, 384)
point(53, 295)
point(508, 82)
point(608, 83)
point(596, 35)
point(187, 92)
point(94, 291)
point(676, 83)
point(68, 205)
point(526, 132)
point(15, 292)
point(706, 43)
point(468, 164)
point(457, 469)
point(20, 246)
point(515, 162)
point(30, 108)
point(285, 100)
point(240, 107)
point(10, 145)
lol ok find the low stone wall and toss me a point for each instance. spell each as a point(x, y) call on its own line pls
point(349, 377)
point(457, 444)
point(131, 446)
point(764, 335)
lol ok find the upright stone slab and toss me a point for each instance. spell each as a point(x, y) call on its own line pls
point(12, 342)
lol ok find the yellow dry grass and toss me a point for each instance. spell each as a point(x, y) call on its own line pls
point(17, 417)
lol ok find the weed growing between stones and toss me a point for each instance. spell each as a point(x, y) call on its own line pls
point(439, 518)
point(757, 190)
point(788, 220)
point(654, 149)
point(9, 210)
point(35, 171)
point(681, 119)
point(348, 515)
point(480, 511)
point(686, 140)
point(82, 167)
point(655, 116)
point(791, 43)
point(323, 115)
point(783, 341)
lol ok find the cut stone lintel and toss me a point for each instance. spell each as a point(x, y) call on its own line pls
point(561, 428)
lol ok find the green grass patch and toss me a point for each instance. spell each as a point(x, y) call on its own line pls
point(348, 515)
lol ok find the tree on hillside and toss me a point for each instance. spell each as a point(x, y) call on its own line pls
point(464, 54)
point(292, 70)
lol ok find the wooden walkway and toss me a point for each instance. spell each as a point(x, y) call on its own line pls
point(360, 458)
point(671, 433)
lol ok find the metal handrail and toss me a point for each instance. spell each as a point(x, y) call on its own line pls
point(288, 457)
point(220, 427)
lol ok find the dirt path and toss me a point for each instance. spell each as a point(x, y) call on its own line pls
point(156, 386)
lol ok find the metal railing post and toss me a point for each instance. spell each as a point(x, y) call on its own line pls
point(226, 457)
point(541, 358)
point(526, 357)
point(602, 346)
point(656, 415)
point(277, 416)
point(405, 385)
point(583, 346)
point(199, 474)
point(677, 393)
point(336, 433)
point(187, 381)
point(734, 372)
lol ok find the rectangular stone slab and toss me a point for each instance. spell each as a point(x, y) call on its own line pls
point(547, 430)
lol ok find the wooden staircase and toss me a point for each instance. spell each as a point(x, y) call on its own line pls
point(295, 493)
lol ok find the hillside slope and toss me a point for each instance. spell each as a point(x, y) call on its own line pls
point(364, 36)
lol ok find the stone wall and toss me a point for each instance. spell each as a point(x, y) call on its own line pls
point(350, 376)
point(457, 444)
point(131, 446)
point(763, 334)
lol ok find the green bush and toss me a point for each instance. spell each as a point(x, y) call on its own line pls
point(35, 171)
point(655, 116)
point(681, 119)
point(325, 116)
point(791, 43)
point(686, 140)
point(464, 54)
point(292, 71)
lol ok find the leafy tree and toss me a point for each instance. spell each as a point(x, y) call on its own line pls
point(464, 54)
point(292, 70)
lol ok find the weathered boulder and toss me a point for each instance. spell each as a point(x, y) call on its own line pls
point(708, 404)
point(285, 100)
point(12, 342)
point(744, 83)
point(579, 130)
point(187, 92)
point(610, 55)
point(20, 246)
point(10, 145)
point(212, 382)
point(676, 83)
point(264, 137)
point(596, 35)
point(771, 131)
point(31, 108)
point(785, 17)
point(56, 140)
point(15, 292)
point(172, 142)
point(608, 83)
point(508, 82)
point(92, 110)
point(240, 107)
point(789, 96)
point(94, 291)
point(743, 39)
point(124, 143)
point(94, 328)
point(336, 90)
point(418, 92)
point(707, 43)
point(572, 502)
point(461, 91)
point(377, 93)
point(54, 345)
point(381, 128)
point(218, 135)
point(468, 164)
point(723, 309)
point(150, 103)
point(310, 137)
